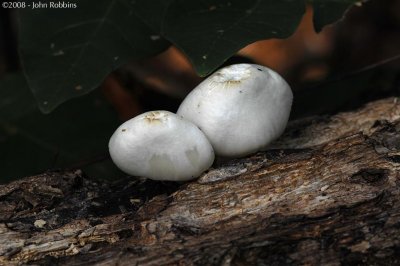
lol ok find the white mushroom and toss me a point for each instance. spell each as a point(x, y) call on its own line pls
point(161, 145)
point(240, 108)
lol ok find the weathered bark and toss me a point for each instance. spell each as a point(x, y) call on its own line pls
point(326, 193)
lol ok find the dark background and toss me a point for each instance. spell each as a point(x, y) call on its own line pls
point(341, 68)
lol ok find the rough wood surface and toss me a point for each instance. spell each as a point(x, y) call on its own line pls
point(326, 193)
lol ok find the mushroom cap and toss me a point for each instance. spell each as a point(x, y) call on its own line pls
point(240, 108)
point(161, 145)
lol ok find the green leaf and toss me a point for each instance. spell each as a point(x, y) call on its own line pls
point(329, 11)
point(209, 32)
point(67, 52)
point(32, 142)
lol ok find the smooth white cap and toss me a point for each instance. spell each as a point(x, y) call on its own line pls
point(240, 108)
point(161, 145)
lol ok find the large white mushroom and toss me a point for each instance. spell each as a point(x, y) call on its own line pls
point(240, 108)
point(161, 145)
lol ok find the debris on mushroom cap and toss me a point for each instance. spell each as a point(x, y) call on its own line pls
point(240, 108)
point(161, 145)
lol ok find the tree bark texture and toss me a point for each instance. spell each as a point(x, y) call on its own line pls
point(327, 192)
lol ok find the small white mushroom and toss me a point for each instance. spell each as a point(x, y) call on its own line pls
point(240, 108)
point(161, 145)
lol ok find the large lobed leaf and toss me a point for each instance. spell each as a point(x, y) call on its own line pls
point(209, 32)
point(68, 52)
